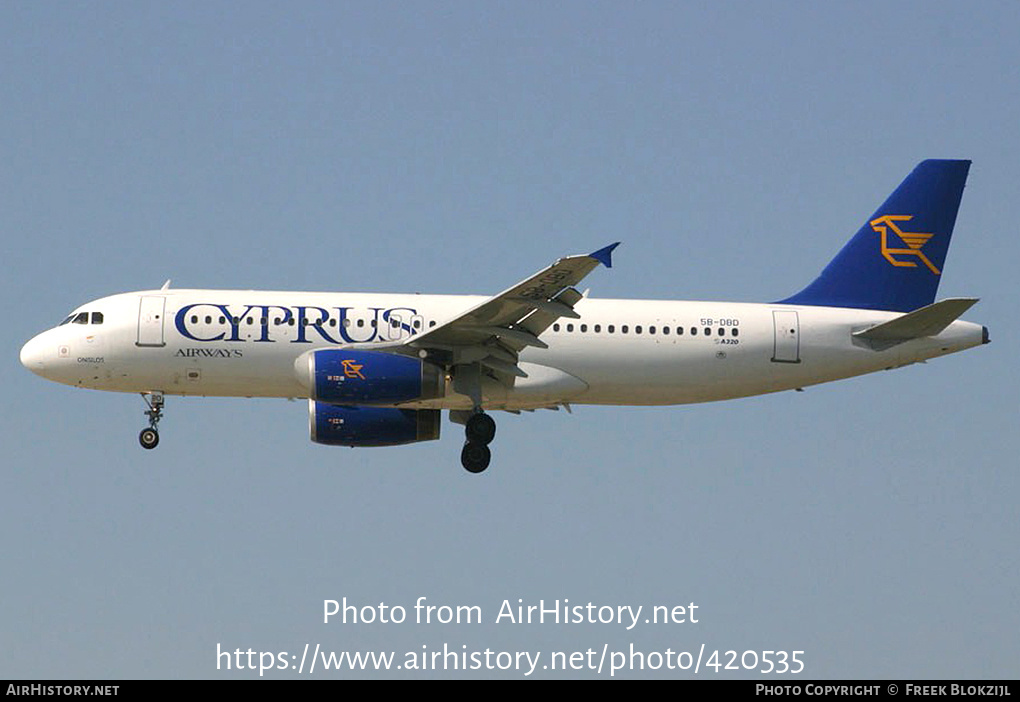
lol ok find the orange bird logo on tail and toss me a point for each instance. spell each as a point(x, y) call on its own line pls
point(915, 241)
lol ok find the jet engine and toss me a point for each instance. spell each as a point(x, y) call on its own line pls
point(356, 377)
point(370, 426)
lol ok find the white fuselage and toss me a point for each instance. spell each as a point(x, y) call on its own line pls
point(619, 352)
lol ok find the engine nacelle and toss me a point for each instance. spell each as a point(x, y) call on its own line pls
point(370, 426)
point(356, 377)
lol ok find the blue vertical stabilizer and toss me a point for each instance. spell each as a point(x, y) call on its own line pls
point(895, 260)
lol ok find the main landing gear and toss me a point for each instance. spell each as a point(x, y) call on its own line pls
point(149, 437)
point(479, 430)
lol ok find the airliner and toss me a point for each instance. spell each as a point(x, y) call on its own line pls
point(379, 369)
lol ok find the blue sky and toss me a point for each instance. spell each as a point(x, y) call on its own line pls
point(457, 148)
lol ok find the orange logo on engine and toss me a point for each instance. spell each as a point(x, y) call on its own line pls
point(915, 241)
point(352, 369)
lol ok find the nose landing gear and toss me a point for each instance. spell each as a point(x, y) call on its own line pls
point(479, 430)
point(149, 437)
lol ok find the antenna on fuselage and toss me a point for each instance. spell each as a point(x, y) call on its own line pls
point(166, 285)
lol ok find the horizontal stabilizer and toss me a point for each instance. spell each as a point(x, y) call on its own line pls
point(925, 321)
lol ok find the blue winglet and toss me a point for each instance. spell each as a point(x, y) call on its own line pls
point(605, 255)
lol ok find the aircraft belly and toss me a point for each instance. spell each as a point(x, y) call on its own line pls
point(260, 375)
point(221, 370)
point(664, 374)
point(544, 385)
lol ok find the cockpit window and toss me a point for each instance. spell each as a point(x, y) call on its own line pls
point(83, 318)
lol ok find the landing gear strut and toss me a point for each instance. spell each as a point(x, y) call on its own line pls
point(149, 437)
point(479, 430)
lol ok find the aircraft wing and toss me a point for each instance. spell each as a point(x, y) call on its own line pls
point(494, 332)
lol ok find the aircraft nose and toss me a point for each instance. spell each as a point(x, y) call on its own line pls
point(32, 356)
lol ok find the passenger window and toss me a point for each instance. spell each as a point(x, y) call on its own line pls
point(694, 331)
point(679, 331)
point(97, 317)
point(194, 319)
point(556, 327)
point(637, 329)
point(584, 327)
point(208, 319)
point(623, 329)
point(665, 330)
point(734, 331)
point(361, 322)
point(570, 327)
point(598, 328)
point(651, 330)
point(707, 331)
point(611, 328)
point(722, 332)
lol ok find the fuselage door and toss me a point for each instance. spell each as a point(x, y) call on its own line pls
point(150, 321)
point(787, 330)
point(399, 327)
